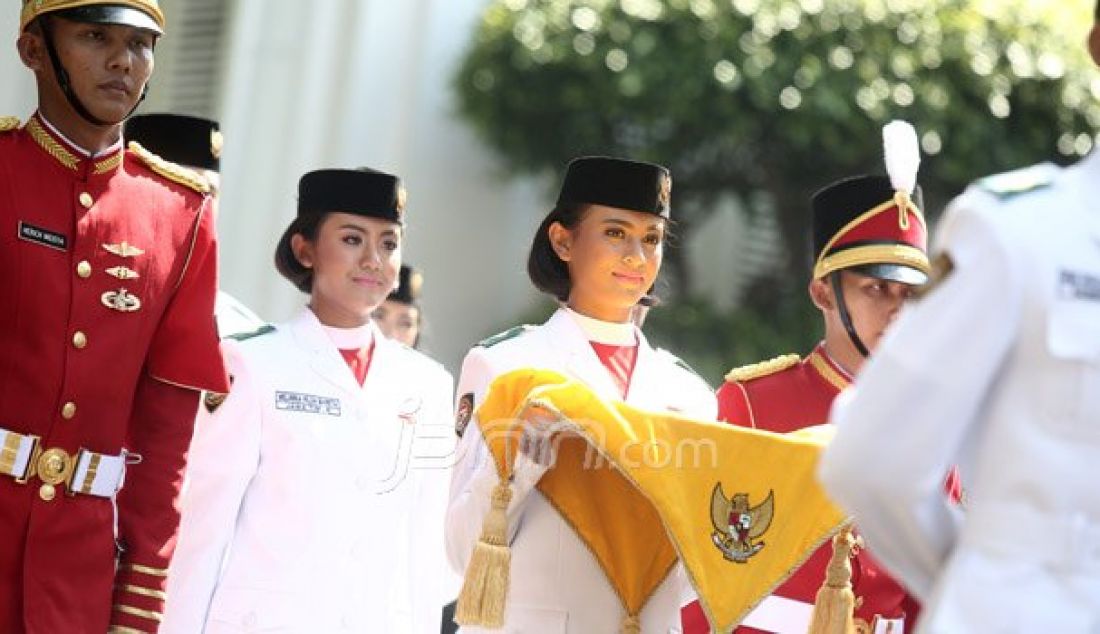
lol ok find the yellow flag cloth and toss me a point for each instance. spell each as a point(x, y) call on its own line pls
point(740, 507)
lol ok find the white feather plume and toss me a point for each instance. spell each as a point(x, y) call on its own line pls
point(902, 153)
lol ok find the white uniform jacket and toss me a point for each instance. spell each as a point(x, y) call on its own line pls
point(556, 584)
point(998, 370)
point(234, 318)
point(314, 504)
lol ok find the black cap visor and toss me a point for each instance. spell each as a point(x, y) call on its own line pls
point(892, 273)
point(111, 14)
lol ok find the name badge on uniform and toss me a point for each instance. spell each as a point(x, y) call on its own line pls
point(307, 403)
point(44, 237)
point(1079, 285)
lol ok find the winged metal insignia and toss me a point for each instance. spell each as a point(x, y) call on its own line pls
point(122, 273)
point(124, 250)
point(121, 300)
point(737, 526)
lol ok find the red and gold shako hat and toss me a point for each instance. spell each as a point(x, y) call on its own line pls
point(615, 182)
point(143, 14)
point(874, 224)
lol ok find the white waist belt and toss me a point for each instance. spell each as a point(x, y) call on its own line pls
point(22, 457)
point(781, 615)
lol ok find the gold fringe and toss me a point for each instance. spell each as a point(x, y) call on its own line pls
point(169, 170)
point(50, 145)
point(485, 586)
point(835, 604)
point(632, 625)
point(108, 164)
point(764, 368)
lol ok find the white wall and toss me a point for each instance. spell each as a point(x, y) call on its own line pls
point(17, 94)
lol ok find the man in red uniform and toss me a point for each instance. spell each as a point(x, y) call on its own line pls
point(870, 248)
point(107, 270)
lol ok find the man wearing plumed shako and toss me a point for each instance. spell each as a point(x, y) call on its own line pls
point(108, 264)
point(869, 239)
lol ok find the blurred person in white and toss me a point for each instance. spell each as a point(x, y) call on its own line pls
point(1004, 347)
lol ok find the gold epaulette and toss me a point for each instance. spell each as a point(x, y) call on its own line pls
point(764, 368)
point(169, 170)
point(8, 124)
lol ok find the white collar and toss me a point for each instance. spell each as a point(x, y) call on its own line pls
point(114, 147)
point(605, 332)
point(348, 338)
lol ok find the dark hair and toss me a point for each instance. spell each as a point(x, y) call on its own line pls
point(286, 263)
point(547, 271)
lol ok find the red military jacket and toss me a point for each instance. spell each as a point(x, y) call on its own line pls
point(784, 395)
point(107, 274)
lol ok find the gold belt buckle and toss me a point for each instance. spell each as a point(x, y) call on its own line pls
point(53, 467)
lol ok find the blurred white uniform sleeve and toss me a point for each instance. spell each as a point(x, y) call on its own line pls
point(475, 473)
point(918, 399)
point(224, 456)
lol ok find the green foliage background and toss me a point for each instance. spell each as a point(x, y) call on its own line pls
point(768, 100)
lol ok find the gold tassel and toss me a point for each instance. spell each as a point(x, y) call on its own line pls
point(485, 587)
point(835, 604)
point(632, 625)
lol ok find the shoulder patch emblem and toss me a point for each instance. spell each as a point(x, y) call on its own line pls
point(464, 412)
point(169, 170)
point(1019, 181)
point(244, 336)
point(511, 333)
point(8, 124)
point(764, 368)
point(213, 400)
point(941, 268)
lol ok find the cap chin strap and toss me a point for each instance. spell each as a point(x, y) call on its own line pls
point(845, 316)
point(66, 86)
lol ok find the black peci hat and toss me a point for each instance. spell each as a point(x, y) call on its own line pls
point(861, 223)
point(363, 192)
point(614, 182)
point(189, 141)
point(408, 289)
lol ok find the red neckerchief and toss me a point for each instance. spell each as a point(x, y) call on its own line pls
point(359, 361)
point(619, 361)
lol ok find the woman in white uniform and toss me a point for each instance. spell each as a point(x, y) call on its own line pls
point(317, 488)
point(598, 252)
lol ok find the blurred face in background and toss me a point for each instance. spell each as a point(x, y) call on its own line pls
point(398, 321)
